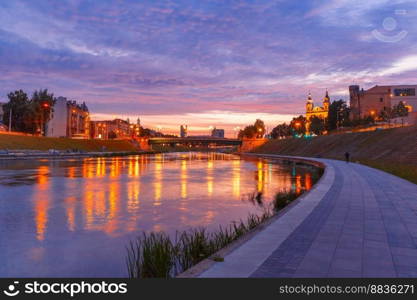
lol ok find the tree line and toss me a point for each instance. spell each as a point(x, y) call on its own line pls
point(338, 117)
point(26, 114)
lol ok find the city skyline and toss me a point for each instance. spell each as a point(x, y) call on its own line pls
point(205, 63)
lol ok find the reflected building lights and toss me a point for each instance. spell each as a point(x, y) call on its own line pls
point(133, 190)
point(158, 180)
point(114, 205)
point(308, 182)
point(112, 216)
point(71, 172)
point(101, 167)
point(260, 176)
point(115, 167)
point(70, 210)
point(41, 199)
point(184, 179)
point(236, 178)
point(210, 178)
point(298, 185)
point(133, 204)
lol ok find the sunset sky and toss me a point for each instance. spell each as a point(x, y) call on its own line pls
point(204, 63)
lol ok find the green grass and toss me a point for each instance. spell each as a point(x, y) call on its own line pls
point(392, 150)
point(15, 142)
point(406, 171)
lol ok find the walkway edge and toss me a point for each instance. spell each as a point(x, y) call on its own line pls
point(244, 256)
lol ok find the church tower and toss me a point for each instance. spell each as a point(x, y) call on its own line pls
point(326, 101)
point(309, 104)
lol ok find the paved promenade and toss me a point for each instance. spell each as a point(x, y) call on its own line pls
point(357, 222)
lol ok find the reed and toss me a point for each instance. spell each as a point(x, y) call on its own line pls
point(283, 198)
point(151, 255)
point(156, 255)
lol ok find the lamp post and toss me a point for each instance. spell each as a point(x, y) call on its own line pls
point(260, 132)
point(297, 126)
point(10, 119)
point(45, 106)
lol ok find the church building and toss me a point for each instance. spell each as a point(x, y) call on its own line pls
point(321, 112)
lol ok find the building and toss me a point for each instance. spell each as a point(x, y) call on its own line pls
point(113, 129)
point(219, 133)
point(371, 102)
point(69, 119)
point(183, 131)
point(321, 112)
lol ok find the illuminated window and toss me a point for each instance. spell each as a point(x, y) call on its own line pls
point(404, 92)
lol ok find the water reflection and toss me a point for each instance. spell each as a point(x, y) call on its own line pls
point(101, 203)
point(236, 178)
point(42, 204)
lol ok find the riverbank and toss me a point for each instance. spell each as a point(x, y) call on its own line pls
point(54, 155)
point(391, 150)
point(21, 142)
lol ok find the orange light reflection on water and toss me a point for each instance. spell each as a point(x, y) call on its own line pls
point(111, 193)
point(42, 201)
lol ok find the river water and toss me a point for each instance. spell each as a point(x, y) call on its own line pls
point(74, 218)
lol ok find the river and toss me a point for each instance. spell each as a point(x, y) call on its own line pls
point(74, 217)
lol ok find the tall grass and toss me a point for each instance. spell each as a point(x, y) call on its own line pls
point(283, 198)
point(157, 255)
point(151, 255)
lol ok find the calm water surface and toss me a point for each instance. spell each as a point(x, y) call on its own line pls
point(73, 218)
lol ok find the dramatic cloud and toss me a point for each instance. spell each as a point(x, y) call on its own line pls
point(217, 63)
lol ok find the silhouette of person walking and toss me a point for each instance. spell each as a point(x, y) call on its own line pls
point(347, 156)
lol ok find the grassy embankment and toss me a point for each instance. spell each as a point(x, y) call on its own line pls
point(392, 150)
point(17, 142)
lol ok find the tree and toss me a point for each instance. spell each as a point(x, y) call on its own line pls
point(257, 130)
point(40, 110)
point(260, 128)
point(386, 114)
point(280, 131)
point(298, 125)
point(29, 115)
point(400, 110)
point(248, 132)
point(17, 105)
point(317, 125)
point(338, 115)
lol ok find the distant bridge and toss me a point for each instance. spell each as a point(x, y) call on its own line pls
point(195, 141)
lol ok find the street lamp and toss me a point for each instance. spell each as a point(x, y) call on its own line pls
point(44, 107)
point(260, 132)
point(10, 118)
